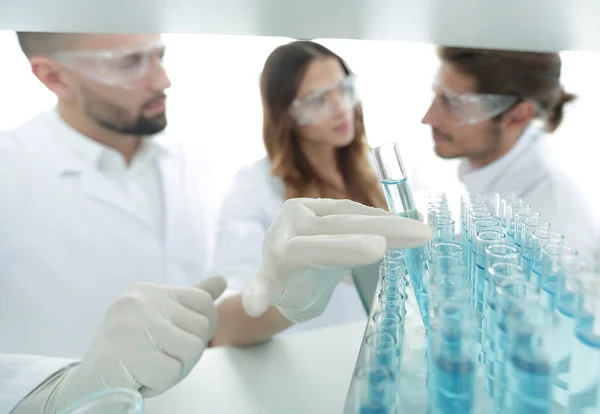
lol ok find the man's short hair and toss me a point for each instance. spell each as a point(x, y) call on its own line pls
point(44, 43)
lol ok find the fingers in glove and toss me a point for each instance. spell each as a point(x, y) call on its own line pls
point(327, 206)
point(263, 291)
point(176, 342)
point(333, 251)
point(137, 350)
point(200, 322)
point(399, 232)
point(198, 300)
point(215, 286)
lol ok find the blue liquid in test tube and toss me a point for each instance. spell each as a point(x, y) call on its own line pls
point(400, 201)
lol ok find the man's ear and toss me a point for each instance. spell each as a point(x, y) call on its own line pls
point(520, 116)
point(53, 76)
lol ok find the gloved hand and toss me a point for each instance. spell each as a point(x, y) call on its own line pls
point(151, 339)
point(313, 244)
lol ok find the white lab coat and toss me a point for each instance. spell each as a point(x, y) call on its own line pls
point(250, 207)
point(71, 242)
point(531, 171)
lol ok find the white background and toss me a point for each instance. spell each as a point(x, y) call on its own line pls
point(214, 104)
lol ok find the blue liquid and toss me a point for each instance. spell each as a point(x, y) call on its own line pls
point(453, 387)
point(586, 357)
point(548, 292)
point(529, 385)
point(488, 346)
point(535, 276)
point(526, 264)
point(401, 202)
point(368, 409)
point(480, 284)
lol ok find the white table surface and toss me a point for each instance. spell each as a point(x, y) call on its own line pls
point(304, 373)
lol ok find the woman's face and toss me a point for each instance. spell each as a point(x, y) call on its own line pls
point(325, 102)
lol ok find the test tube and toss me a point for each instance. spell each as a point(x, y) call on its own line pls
point(392, 274)
point(552, 255)
point(447, 249)
point(503, 212)
point(510, 294)
point(541, 237)
point(392, 323)
point(448, 282)
point(529, 363)
point(528, 227)
point(478, 226)
point(392, 176)
point(584, 383)
point(570, 272)
point(113, 401)
point(374, 389)
point(511, 210)
point(482, 241)
point(382, 348)
point(520, 215)
point(451, 343)
point(474, 216)
point(497, 273)
point(392, 301)
point(437, 213)
point(443, 229)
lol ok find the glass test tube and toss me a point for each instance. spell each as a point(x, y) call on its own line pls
point(510, 295)
point(529, 364)
point(511, 210)
point(540, 238)
point(452, 364)
point(374, 389)
point(390, 322)
point(113, 401)
point(497, 273)
point(520, 215)
point(568, 276)
point(503, 212)
point(448, 283)
point(527, 229)
point(552, 255)
point(478, 226)
point(474, 216)
point(399, 197)
point(584, 383)
point(443, 229)
point(482, 241)
point(447, 249)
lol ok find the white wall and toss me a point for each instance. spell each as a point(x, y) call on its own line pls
point(214, 104)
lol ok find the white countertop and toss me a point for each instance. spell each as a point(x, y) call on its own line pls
point(304, 373)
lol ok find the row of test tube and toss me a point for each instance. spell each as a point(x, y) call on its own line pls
point(376, 383)
point(534, 318)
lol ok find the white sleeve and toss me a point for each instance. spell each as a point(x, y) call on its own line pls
point(22, 374)
point(242, 224)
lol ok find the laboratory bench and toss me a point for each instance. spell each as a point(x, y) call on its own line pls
point(298, 373)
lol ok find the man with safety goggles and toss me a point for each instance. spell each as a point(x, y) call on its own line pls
point(95, 201)
point(486, 110)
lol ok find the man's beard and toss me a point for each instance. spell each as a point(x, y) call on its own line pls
point(117, 119)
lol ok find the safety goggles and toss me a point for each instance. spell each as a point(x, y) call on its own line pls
point(323, 104)
point(117, 67)
point(471, 109)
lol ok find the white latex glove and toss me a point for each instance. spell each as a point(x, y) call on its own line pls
point(152, 337)
point(313, 244)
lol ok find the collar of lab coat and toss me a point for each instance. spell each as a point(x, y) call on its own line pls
point(70, 151)
point(482, 179)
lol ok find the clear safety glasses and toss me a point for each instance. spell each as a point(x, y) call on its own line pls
point(117, 67)
point(323, 104)
point(470, 109)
